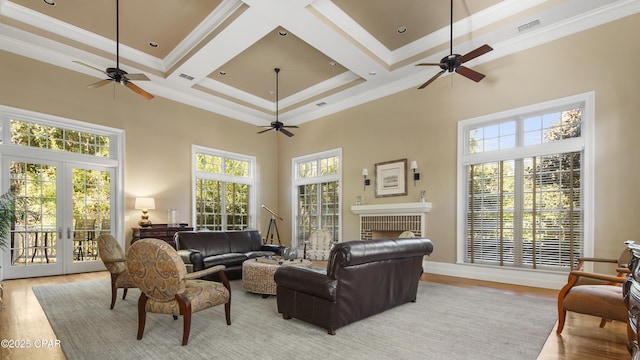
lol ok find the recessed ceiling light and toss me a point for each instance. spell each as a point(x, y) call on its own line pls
point(153, 44)
point(373, 73)
point(49, 2)
point(332, 63)
point(283, 32)
point(222, 72)
point(402, 29)
point(271, 92)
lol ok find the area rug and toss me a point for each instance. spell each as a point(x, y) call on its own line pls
point(446, 322)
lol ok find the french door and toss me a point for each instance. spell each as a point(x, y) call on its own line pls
point(61, 208)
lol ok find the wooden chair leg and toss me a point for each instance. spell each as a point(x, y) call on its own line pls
point(114, 290)
point(603, 322)
point(561, 318)
point(142, 314)
point(185, 310)
point(562, 314)
point(125, 293)
point(227, 312)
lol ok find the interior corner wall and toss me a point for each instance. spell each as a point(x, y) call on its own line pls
point(421, 125)
point(159, 134)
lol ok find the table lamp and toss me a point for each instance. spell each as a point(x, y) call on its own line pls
point(145, 204)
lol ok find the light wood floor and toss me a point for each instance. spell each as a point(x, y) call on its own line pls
point(22, 318)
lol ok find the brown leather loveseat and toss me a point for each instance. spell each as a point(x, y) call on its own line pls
point(363, 278)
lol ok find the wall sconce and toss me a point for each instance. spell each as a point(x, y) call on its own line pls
point(416, 176)
point(367, 182)
point(145, 204)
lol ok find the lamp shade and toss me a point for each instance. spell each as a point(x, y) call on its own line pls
point(145, 203)
point(365, 172)
point(414, 165)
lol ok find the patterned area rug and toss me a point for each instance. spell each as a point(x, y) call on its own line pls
point(446, 322)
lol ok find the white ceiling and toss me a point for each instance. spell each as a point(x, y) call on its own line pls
point(201, 38)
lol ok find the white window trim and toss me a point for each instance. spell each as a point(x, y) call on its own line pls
point(297, 181)
point(251, 180)
point(587, 143)
point(116, 159)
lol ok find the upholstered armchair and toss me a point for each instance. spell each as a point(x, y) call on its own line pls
point(319, 245)
point(603, 300)
point(166, 287)
point(115, 261)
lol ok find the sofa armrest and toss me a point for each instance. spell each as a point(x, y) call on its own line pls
point(306, 281)
point(192, 258)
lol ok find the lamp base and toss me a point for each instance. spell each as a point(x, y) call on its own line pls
point(144, 223)
point(144, 219)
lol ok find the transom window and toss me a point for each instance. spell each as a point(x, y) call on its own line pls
point(223, 190)
point(525, 184)
point(57, 138)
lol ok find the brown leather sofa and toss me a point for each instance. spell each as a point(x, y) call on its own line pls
point(205, 249)
point(363, 278)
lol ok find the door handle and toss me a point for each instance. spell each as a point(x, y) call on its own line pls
point(60, 232)
point(68, 233)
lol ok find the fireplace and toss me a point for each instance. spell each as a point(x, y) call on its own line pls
point(390, 220)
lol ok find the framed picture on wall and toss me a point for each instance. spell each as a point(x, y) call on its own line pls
point(391, 178)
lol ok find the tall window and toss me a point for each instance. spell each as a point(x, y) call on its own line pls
point(223, 190)
point(523, 184)
point(316, 180)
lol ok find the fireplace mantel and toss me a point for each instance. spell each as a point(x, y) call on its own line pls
point(396, 208)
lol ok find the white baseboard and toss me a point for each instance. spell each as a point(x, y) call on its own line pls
point(540, 279)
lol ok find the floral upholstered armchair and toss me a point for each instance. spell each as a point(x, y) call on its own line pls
point(115, 261)
point(319, 245)
point(166, 287)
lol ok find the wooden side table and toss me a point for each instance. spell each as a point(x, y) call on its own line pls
point(158, 231)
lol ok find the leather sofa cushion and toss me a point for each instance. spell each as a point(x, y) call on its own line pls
point(230, 259)
point(243, 241)
point(207, 242)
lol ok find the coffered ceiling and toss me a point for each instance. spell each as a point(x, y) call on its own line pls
point(220, 55)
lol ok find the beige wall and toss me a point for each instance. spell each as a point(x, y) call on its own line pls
point(421, 125)
point(417, 125)
point(159, 133)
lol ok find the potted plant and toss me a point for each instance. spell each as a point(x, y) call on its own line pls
point(7, 219)
point(7, 216)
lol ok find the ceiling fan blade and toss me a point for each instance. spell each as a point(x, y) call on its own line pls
point(290, 126)
point(136, 77)
point(469, 73)
point(431, 64)
point(92, 67)
point(135, 88)
point(475, 53)
point(100, 83)
point(432, 79)
point(286, 132)
point(265, 130)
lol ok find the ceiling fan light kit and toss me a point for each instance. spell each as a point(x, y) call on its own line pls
point(453, 62)
point(116, 74)
point(278, 125)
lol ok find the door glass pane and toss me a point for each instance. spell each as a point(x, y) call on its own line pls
point(91, 211)
point(33, 236)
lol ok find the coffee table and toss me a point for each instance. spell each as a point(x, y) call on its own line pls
point(257, 274)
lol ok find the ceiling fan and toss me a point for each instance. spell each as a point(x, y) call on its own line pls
point(453, 62)
point(278, 125)
point(116, 74)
